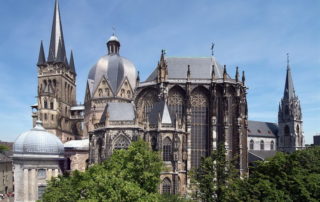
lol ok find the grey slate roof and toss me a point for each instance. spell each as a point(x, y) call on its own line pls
point(160, 108)
point(259, 155)
point(262, 129)
point(200, 68)
point(118, 111)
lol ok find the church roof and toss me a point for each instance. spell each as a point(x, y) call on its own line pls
point(262, 129)
point(200, 68)
point(260, 155)
point(118, 111)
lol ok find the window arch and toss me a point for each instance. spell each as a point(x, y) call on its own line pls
point(176, 101)
point(121, 142)
point(261, 145)
point(272, 145)
point(167, 149)
point(199, 126)
point(166, 186)
point(251, 145)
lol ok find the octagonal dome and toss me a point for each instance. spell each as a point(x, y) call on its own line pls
point(38, 142)
point(113, 67)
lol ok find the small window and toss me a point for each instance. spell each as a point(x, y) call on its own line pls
point(272, 145)
point(45, 104)
point(259, 131)
point(51, 105)
point(167, 149)
point(166, 186)
point(45, 117)
point(251, 144)
point(52, 117)
point(261, 145)
point(42, 174)
point(41, 190)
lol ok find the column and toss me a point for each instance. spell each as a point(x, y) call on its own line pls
point(25, 184)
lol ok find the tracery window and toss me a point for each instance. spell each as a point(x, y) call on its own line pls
point(272, 145)
point(251, 144)
point(261, 145)
point(199, 126)
point(167, 149)
point(176, 102)
point(121, 142)
point(166, 186)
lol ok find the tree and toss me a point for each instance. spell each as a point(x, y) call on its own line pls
point(128, 175)
point(213, 177)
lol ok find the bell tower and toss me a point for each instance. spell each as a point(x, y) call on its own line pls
point(290, 135)
point(56, 84)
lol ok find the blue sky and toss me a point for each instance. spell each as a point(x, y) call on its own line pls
point(254, 35)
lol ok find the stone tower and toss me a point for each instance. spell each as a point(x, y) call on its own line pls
point(290, 118)
point(56, 84)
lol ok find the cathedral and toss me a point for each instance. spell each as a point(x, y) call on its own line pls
point(184, 109)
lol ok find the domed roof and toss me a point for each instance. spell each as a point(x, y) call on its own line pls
point(38, 141)
point(113, 67)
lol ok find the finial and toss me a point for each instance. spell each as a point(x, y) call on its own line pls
point(138, 76)
point(237, 74)
point(188, 72)
point(224, 72)
point(213, 74)
point(113, 31)
point(243, 77)
point(212, 47)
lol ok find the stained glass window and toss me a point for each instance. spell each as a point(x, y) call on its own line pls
point(176, 102)
point(122, 142)
point(167, 149)
point(199, 127)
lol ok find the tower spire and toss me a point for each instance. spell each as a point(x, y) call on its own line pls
point(56, 35)
point(288, 89)
point(42, 58)
point(71, 64)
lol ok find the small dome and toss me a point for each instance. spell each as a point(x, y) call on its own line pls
point(113, 67)
point(38, 141)
point(113, 38)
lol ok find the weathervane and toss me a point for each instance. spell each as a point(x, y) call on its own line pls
point(114, 30)
point(212, 47)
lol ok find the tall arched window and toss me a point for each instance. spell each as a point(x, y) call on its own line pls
point(166, 186)
point(199, 126)
point(45, 104)
point(176, 102)
point(167, 149)
point(99, 150)
point(261, 145)
point(251, 145)
point(121, 142)
point(272, 145)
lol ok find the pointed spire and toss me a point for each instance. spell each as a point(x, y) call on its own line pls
point(213, 73)
point(56, 36)
point(138, 77)
point(60, 56)
point(71, 64)
point(42, 58)
point(243, 78)
point(237, 74)
point(224, 72)
point(288, 89)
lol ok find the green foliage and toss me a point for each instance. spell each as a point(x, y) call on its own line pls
point(213, 177)
point(285, 177)
point(3, 148)
point(129, 175)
